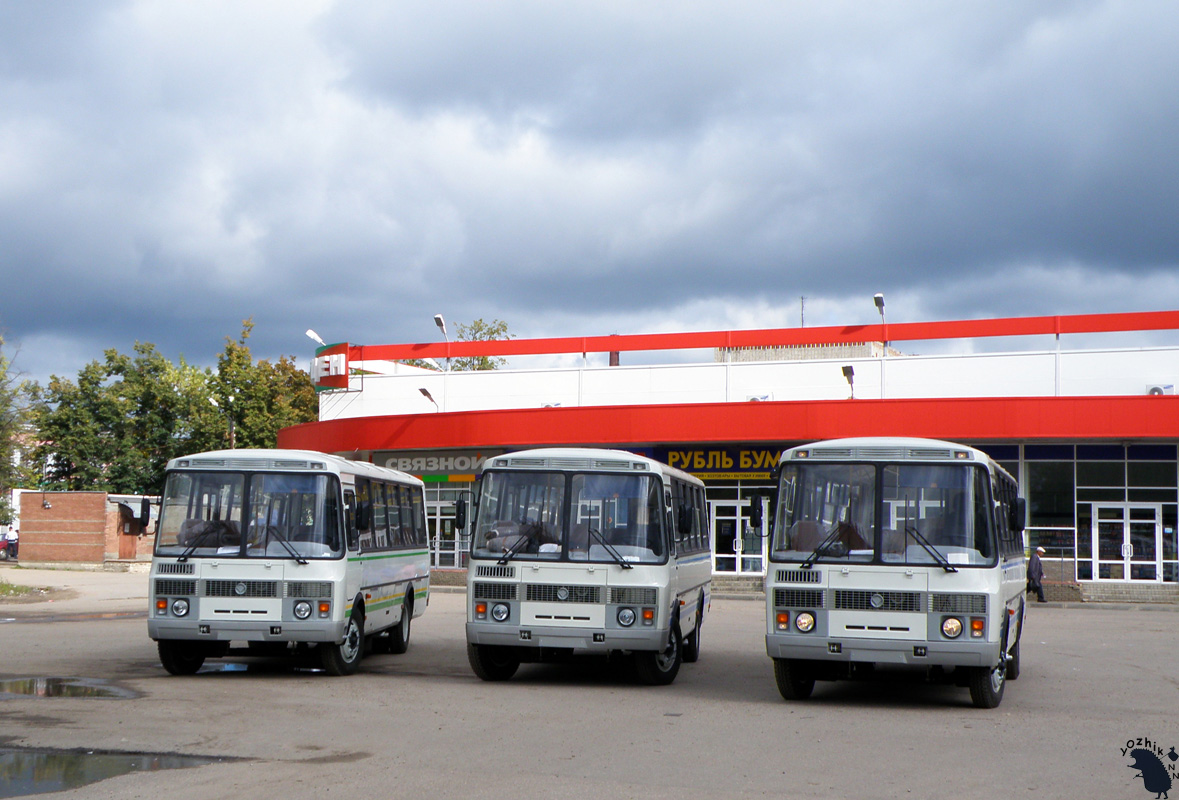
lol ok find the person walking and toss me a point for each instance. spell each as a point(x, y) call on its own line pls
point(1036, 575)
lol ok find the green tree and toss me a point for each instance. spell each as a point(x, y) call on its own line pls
point(480, 331)
point(127, 416)
point(260, 398)
point(13, 430)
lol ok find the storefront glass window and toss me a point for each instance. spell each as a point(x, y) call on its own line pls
point(1050, 494)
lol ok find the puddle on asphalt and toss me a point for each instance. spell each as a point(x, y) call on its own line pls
point(61, 687)
point(26, 772)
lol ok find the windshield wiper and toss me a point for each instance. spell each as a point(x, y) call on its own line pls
point(823, 545)
point(523, 538)
point(929, 548)
point(622, 562)
point(271, 530)
point(200, 537)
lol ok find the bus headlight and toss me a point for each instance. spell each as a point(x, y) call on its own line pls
point(180, 607)
point(302, 609)
point(951, 627)
point(499, 612)
point(804, 621)
point(626, 617)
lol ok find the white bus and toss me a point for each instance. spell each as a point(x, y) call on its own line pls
point(895, 551)
point(288, 552)
point(584, 551)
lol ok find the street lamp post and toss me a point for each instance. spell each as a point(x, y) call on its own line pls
point(441, 323)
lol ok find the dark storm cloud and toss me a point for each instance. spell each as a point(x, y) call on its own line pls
point(168, 170)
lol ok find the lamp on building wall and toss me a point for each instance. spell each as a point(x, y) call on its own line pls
point(850, 375)
point(441, 323)
point(878, 299)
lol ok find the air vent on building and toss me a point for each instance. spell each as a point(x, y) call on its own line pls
point(1161, 388)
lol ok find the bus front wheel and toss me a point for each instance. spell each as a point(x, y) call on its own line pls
point(491, 663)
point(987, 685)
point(180, 658)
point(793, 678)
point(659, 668)
point(344, 658)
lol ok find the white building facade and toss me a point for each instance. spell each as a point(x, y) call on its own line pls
point(1091, 433)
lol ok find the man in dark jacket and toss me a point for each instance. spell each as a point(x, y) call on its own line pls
point(1036, 575)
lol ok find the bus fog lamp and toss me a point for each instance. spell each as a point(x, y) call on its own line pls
point(626, 617)
point(325, 610)
point(783, 620)
point(499, 612)
point(302, 609)
point(180, 607)
point(805, 622)
point(951, 627)
point(977, 626)
point(162, 607)
point(481, 611)
point(648, 616)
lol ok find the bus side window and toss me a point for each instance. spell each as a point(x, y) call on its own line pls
point(350, 518)
point(397, 523)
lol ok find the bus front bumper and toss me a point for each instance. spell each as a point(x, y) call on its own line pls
point(579, 640)
point(245, 631)
point(883, 651)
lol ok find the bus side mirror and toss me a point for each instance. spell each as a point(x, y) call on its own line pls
point(755, 512)
point(1019, 512)
point(144, 513)
point(460, 514)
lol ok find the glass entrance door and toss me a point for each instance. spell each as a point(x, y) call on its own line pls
point(446, 548)
point(1127, 539)
point(738, 548)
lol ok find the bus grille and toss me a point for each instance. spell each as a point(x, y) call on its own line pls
point(546, 593)
point(795, 598)
point(232, 588)
point(633, 596)
point(174, 569)
point(958, 603)
point(171, 586)
point(495, 572)
point(799, 576)
point(861, 600)
point(309, 589)
point(495, 591)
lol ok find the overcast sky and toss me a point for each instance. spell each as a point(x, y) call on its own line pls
point(168, 169)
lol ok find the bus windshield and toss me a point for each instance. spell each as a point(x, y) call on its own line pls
point(570, 516)
point(282, 515)
point(910, 514)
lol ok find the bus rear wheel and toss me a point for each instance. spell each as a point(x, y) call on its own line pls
point(793, 678)
point(987, 685)
point(180, 658)
point(399, 636)
point(692, 642)
point(344, 658)
point(659, 668)
point(491, 663)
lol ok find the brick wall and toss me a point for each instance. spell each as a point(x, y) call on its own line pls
point(71, 530)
